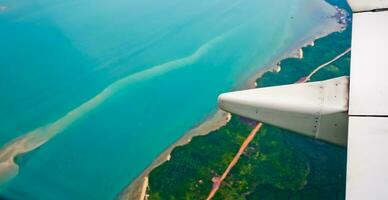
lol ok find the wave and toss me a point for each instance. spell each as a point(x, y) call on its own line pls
point(34, 139)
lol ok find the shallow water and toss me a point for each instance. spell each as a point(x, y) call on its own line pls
point(136, 75)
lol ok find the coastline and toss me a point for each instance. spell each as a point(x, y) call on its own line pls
point(137, 188)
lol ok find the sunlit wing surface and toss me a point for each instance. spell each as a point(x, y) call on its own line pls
point(369, 63)
point(367, 166)
point(315, 109)
point(367, 5)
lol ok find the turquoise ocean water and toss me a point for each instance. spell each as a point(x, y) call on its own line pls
point(162, 65)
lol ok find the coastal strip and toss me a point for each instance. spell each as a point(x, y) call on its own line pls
point(135, 189)
point(144, 189)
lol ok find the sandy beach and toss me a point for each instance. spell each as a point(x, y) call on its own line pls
point(135, 189)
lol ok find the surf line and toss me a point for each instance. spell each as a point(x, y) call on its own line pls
point(35, 138)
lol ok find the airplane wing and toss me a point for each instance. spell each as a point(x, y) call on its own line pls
point(330, 111)
point(316, 109)
point(367, 166)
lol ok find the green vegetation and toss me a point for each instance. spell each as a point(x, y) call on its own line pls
point(292, 69)
point(277, 164)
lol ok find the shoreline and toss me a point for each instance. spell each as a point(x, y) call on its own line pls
point(137, 188)
point(215, 121)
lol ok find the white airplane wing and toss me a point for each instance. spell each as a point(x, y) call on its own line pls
point(367, 166)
